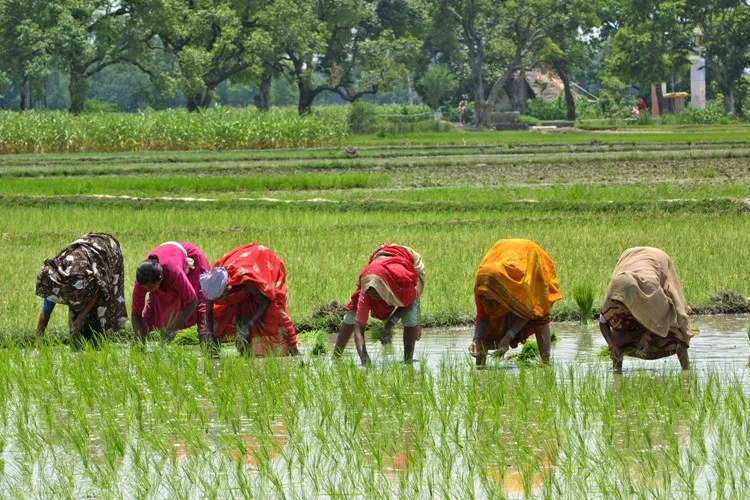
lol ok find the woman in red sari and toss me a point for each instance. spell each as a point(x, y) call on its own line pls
point(388, 288)
point(247, 300)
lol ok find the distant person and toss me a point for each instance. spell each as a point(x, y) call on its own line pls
point(247, 302)
point(88, 277)
point(645, 314)
point(515, 288)
point(642, 106)
point(388, 289)
point(170, 275)
point(463, 111)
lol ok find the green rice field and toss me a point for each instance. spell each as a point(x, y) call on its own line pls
point(165, 421)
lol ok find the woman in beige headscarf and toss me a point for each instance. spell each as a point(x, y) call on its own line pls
point(645, 314)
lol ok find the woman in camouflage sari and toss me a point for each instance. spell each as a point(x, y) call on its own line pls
point(87, 276)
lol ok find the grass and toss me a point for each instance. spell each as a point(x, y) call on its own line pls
point(174, 185)
point(228, 129)
point(324, 246)
point(168, 421)
point(37, 132)
point(631, 134)
point(159, 423)
point(584, 298)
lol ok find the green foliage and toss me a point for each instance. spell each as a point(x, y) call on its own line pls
point(367, 118)
point(97, 106)
point(713, 113)
point(436, 85)
point(316, 340)
point(583, 296)
point(192, 47)
point(649, 41)
point(529, 351)
point(547, 109)
point(725, 40)
point(167, 130)
point(498, 38)
point(188, 336)
point(614, 99)
point(362, 117)
point(531, 121)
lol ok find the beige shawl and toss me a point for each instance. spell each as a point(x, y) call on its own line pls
point(646, 284)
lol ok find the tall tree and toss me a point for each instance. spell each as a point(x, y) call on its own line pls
point(647, 40)
point(725, 39)
point(26, 59)
point(501, 37)
point(567, 51)
point(196, 45)
point(349, 47)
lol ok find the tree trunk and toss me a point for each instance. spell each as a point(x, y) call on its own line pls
point(729, 100)
point(483, 111)
point(494, 94)
point(306, 96)
point(78, 89)
point(263, 99)
point(22, 101)
point(32, 98)
point(519, 94)
point(45, 94)
point(200, 101)
point(655, 110)
point(570, 102)
point(660, 98)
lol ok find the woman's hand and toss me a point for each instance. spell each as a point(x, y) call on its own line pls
point(645, 339)
point(78, 323)
point(387, 335)
point(476, 348)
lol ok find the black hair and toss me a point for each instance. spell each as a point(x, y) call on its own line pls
point(149, 271)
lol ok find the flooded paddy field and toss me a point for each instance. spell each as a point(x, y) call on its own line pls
point(169, 422)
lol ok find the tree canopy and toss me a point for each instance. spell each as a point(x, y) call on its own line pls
point(138, 53)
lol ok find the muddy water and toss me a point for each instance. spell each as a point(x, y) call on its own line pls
point(722, 342)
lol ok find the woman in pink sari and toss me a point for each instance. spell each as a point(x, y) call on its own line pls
point(171, 277)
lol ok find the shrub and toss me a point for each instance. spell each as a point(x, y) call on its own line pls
point(743, 96)
point(587, 108)
point(529, 120)
point(97, 106)
point(362, 117)
point(614, 99)
point(713, 113)
point(547, 110)
point(436, 85)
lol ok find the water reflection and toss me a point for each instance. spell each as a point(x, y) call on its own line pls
point(517, 445)
point(722, 342)
point(640, 438)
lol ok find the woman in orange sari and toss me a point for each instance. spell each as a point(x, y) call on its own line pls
point(514, 290)
point(247, 300)
point(645, 314)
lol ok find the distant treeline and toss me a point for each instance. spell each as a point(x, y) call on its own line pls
point(136, 54)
